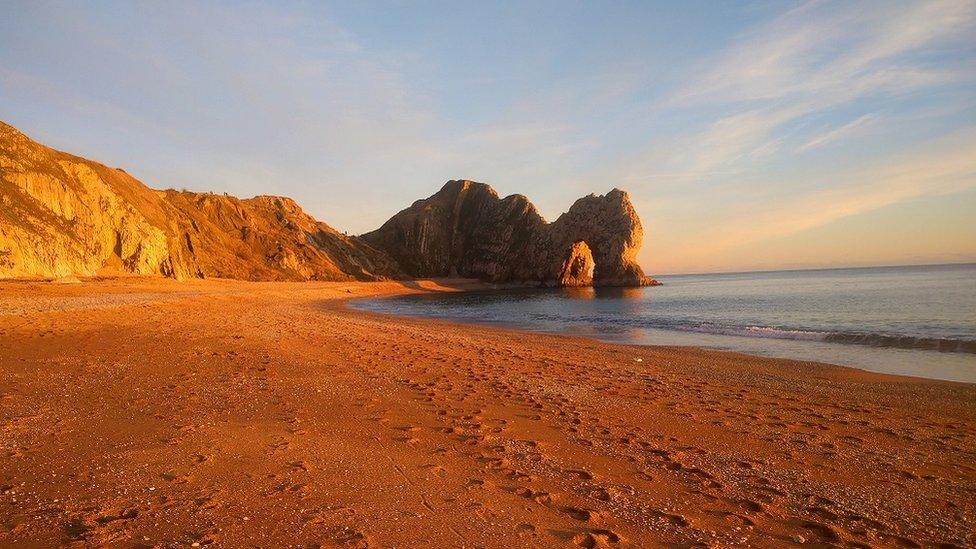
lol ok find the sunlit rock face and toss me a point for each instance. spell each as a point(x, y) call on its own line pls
point(61, 215)
point(578, 268)
point(612, 232)
point(466, 230)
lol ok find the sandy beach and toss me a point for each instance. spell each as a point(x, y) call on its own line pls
point(144, 412)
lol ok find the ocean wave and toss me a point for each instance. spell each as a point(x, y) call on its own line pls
point(852, 338)
point(610, 322)
point(906, 342)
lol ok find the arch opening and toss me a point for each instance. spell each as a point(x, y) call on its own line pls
point(578, 268)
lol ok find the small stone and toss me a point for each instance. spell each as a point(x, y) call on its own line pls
point(798, 539)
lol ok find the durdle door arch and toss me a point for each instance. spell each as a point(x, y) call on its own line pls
point(609, 229)
point(467, 230)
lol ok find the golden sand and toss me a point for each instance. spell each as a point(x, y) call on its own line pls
point(143, 412)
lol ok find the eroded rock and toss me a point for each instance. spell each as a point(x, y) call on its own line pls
point(466, 230)
point(64, 216)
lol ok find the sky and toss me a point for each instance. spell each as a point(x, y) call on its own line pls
point(750, 135)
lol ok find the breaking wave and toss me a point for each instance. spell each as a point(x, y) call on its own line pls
point(897, 341)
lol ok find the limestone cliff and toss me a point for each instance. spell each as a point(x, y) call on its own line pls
point(466, 230)
point(61, 215)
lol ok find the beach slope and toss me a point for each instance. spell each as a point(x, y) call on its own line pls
point(144, 412)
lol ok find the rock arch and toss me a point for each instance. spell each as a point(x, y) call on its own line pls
point(611, 230)
point(466, 230)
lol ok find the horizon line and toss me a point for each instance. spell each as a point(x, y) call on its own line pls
point(805, 269)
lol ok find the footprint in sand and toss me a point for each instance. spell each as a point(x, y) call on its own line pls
point(408, 440)
point(478, 484)
point(673, 518)
point(751, 506)
point(112, 516)
point(174, 477)
point(539, 496)
point(206, 502)
point(823, 532)
point(585, 515)
point(435, 469)
point(597, 538)
point(581, 474)
point(347, 536)
point(603, 494)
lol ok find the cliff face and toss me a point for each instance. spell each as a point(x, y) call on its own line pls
point(466, 230)
point(462, 230)
point(61, 215)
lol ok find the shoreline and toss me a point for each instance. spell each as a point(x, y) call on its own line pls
point(392, 289)
point(147, 412)
point(514, 331)
point(677, 333)
point(342, 295)
point(341, 292)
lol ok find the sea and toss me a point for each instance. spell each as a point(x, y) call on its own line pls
point(908, 320)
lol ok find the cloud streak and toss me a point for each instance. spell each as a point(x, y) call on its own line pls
point(817, 58)
point(939, 172)
point(829, 52)
point(792, 87)
point(837, 134)
point(945, 167)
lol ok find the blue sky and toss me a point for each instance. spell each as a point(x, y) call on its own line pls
point(749, 135)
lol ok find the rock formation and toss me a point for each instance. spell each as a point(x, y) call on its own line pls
point(61, 215)
point(466, 230)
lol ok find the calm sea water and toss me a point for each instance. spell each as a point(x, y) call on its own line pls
point(918, 321)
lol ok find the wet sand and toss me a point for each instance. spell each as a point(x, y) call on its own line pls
point(144, 412)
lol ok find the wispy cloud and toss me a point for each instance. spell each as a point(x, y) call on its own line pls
point(810, 61)
point(837, 134)
point(795, 84)
point(830, 52)
point(946, 166)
